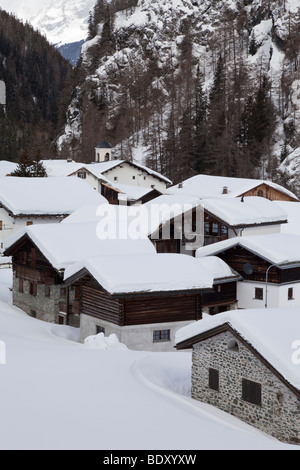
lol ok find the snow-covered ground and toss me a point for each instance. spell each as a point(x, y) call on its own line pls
point(59, 394)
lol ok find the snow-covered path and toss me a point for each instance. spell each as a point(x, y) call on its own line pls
point(57, 394)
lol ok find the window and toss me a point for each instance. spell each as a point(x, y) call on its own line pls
point(100, 329)
point(21, 286)
point(82, 175)
point(107, 157)
point(47, 291)
point(133, 177)
point(61, 320)
point(33, 258)
point(224, 230)
point(207, 228)
point(213, 379)
point(291, 293)
point(29, 223)
point(260, 193)
point(153, 186)
point(63, 292)
point(251, 392)
point(259, 293)
point(161, 335)
point(233, 345)
point(33, 289)
point(115, 178)
point(33, 313)
point(215, 228)
point(1, 225)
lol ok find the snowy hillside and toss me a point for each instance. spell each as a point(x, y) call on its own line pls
point(63, 22)
point(144, 57)
point(45, 365)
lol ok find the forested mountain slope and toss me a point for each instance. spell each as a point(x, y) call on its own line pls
point(35, 75)
point(191, 86)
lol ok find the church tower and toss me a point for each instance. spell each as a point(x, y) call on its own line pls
point(103, 152)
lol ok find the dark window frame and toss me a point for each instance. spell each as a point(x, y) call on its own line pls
point(259, 293)
point(214, 379)
point(160, 336)
point(252, 392)
point(290, 293)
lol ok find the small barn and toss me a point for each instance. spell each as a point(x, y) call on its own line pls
point(246, 363)
point(142, 299)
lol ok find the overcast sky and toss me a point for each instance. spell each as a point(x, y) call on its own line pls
point(22, 9)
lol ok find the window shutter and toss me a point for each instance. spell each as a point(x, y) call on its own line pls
point(214, 379)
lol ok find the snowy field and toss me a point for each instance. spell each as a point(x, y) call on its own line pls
point(58, 394)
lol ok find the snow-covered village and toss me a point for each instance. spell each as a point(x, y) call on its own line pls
point(150, 227)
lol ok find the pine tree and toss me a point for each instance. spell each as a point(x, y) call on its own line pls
point(24, 165)
point(37, 168)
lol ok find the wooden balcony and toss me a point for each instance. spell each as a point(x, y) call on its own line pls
point(33, 275)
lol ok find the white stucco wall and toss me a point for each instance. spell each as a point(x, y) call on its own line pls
point(277, 295)
point(259, 230)
point(126, 172)
point(11, 226)
point(138, 338)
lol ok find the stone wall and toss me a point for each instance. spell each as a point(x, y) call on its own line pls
point(40, 306)
point(279, 413)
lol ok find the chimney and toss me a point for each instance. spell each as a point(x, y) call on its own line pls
point(225, 190)
point(180, 186)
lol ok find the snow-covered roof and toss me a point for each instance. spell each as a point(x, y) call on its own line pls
point(46, 196)
point(133, 193)
point(206, 186)
point(145, 273)
point(279, 248)
point(104, 167)
point(293, 214)
point(272, 332)
point(149, 217)
point(253, 211)
point(218, 268)
point(167, 207)
point(6, 168)
point(66, 244)
point(60, 167)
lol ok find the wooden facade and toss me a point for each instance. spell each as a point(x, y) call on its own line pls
point(240, 259)
point(268, 192)
point(137, 309)
point(221, 299)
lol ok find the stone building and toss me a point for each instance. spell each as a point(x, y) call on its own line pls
point(243, 364)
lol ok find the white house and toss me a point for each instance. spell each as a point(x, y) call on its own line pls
point(123, 172)
point(269, 265)
point(27, 201)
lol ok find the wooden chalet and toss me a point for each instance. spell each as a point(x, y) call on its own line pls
point(142, 309)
